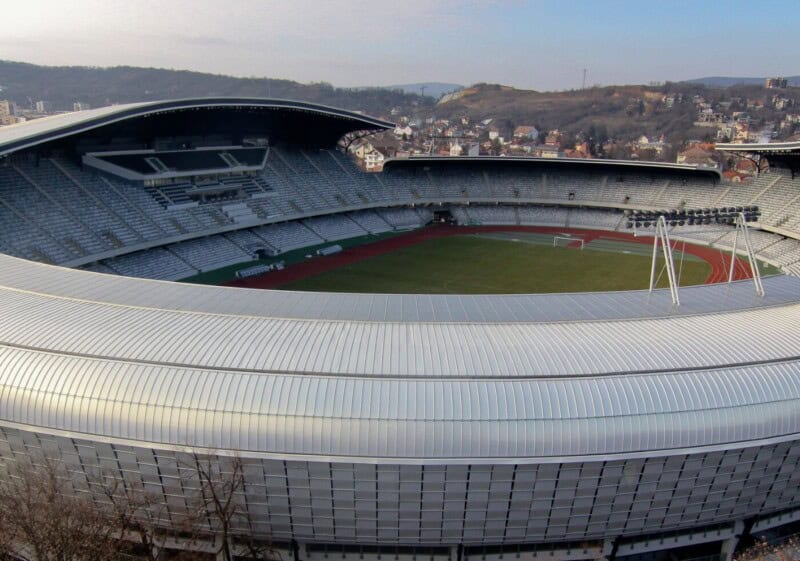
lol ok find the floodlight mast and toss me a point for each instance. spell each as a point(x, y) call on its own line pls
point(662, 235)
point(741, 226)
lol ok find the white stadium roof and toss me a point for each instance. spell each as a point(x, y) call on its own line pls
point(36, 127)
point(330, 375)
point(37, 131)
point(793, 146)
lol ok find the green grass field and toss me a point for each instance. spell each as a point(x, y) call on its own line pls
point(500, 264)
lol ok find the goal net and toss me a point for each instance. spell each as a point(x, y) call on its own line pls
point(567, 241)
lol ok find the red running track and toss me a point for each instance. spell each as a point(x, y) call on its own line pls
point(718, 261)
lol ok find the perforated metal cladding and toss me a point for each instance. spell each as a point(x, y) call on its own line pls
point(448, 504)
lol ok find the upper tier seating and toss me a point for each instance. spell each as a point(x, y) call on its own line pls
point(53, 210)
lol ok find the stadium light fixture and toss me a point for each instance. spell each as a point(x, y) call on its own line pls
point(662, 235)
point(743, 231)
point(693, 216)
point(738, 217)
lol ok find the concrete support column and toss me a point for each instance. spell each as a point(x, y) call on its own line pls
point(608, 549)
point(729, 545)
point(301, 553)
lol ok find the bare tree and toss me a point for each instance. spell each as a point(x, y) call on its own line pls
point(40, 521)
point(137, 515)
point(43, 516)
point(220, 479)
point(221, 507)
point(6, 535)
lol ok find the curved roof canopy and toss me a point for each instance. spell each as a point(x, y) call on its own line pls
point(397, 377)
point(762, 147)
point(778, 154)
point(291, 121)
point(656, 168)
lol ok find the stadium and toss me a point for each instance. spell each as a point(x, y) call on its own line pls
point(611, 423)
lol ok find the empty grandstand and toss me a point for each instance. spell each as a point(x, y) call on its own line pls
point(580, 426)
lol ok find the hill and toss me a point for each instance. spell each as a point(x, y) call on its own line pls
point(619, 112)
point(433, 89)
point(624, 111)
point(61, 86)
point(728, 81)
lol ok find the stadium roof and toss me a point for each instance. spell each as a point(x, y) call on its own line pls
point(773, 147)
point(778, 154)
point(561, 162)
point(35, 132)
point(329, 375)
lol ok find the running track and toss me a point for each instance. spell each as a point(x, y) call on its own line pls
point(718, 261)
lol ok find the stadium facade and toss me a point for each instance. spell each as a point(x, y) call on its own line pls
point(578, 426)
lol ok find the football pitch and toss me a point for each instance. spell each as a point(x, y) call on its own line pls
point(503, 263)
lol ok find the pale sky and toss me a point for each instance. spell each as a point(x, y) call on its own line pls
point(538, 44)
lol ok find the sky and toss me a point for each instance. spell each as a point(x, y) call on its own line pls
point(535, 44)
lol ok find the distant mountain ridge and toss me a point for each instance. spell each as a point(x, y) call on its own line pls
point(433, 89)
point(61, 86)
point(622, 113)
point(728, 81)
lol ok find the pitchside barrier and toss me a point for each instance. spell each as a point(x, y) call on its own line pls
point(567, 240)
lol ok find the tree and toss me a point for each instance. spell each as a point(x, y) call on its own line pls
point(219, 504)
point(47, 513)
point(137, 515)
point(39, 520)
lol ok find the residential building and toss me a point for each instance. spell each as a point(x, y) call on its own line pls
point(7, 112)
point(775, 83)
point(527, 132)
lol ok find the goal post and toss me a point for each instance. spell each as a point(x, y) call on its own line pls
point(565, 241)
